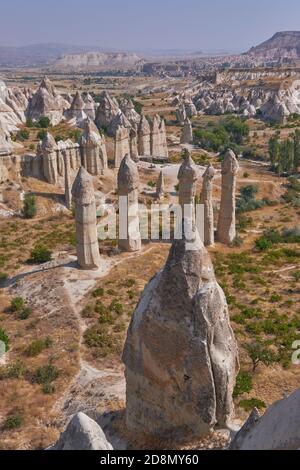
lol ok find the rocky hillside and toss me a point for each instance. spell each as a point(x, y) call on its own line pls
point(93, 61)
point(285, 44)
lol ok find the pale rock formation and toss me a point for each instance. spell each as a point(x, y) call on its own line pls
point(89, 106)
point(163, 139)
point(187, 176)
point(160, 186)
point(68, 187)
point(50, 164)
point(155, 138)
point(108, 108)
point(47, 102)
point(5, 144)
point(226, 222)
point(207, 201)
point(127, 107)
point(277, 429)
point(76, 114)
point(144, 147)
point(187, 132)
point(181, 114)
point(180, 354)
point(93, 149)
point(86, 222)
point(122, 145)
point(133, 145)
point(190, 108)
point(128, 186)
point(82, 433)
point(119, 120)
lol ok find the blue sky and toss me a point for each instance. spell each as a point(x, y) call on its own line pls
point(207, 25)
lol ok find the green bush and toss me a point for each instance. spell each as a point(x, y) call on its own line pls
point(29, 206)
point(14, 421)
point(35, 348)
point(260, 353)
point(99, 292)
point(243, 384)
point(87, 312)
point(40, 254)
point(44, 122)
point(116, 306)
point(24, 313)
point(12, 371)
point(42, 134)
point(17, 304)
point(249, 405)
point(23, 134)
point(46, 374)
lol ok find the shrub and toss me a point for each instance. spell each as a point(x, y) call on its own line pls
point(87, 312)
point(40, 254)
point(260, 353)
point(42, 134)
point(44, 122)
point(29, 123)
point(249, 405)
point(243, 384)
point(151, 184)
point(12, 371)
point(29, 206)
point(16, 304)
point(24, 313)
point(99, 292)
point(46, 374)
point(35, 348)
point(23, 134)
point(15, 420)
point(48, 388)
point(116, 306)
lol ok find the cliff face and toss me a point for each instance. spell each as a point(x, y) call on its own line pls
point(285, 44)
point(97, 61)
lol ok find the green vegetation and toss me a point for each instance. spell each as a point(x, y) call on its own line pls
point(274, 237)
point(46, 374)
point(43, 123)
point(260, 353)
point(15, 370)
point(17, 304)
point(247, 201)
point(292, 194)
point(249, 405)
point(42, 134)
point(230, 133)
point(29, 206)
point(40, 254)
point(285, 156)
point(13, 421)
point(243, 384)
point(37, 346)
point(23, 134)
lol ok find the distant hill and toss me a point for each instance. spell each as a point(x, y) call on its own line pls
point(285, 44)
point(97, 61)
point(38, 54)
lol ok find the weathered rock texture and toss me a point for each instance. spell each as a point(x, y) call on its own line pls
point(277, 429)
point(158, 140)
point(50, 165)
point(187, 177)
point(122, 145)
point(76, 114)
point(86, 221)
point(180, 353)
point(93, 149)
point(68, 187)
point(108, 108)
point(207, 200)
point(144, 147)
point(133, 145)
point(226, 222)
point(128, 186)
point(187, 132)
point(82, 433)
point(47, 102)
point(160, 186)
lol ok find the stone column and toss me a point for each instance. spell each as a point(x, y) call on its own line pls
point(207, 201)
point(128, 190)
point(122, 146)
point(86, 221)
point(187, 132)
point(226, 222)
point(93, 150)
point(133, 145)
point(68, 188)
point(144, 148)
point(187, 177)
point(50, 159)
point(180, 355)
point(163, 139)
point(155, 137)
point(160, 186)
